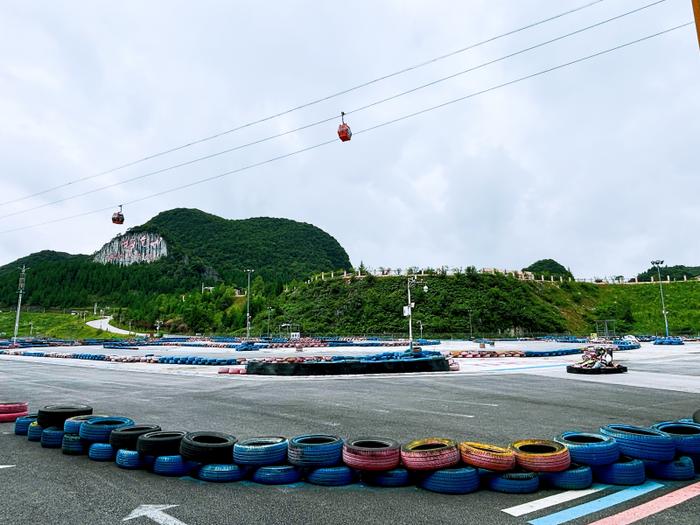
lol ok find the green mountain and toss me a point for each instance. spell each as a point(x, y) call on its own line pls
point(201, 249)
point(549, 267)
point(675, 273)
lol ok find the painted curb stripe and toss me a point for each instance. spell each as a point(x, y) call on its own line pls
point(652, 507)
point(596, 505)
point(550, 501)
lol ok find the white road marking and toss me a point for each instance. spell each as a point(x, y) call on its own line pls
point(154, 513)
point(7, 466)
point(550, 501)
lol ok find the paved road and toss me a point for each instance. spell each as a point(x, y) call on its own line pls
point(46, 486)
point(103, 324)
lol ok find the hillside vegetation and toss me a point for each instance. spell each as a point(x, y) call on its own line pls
point(52, 325)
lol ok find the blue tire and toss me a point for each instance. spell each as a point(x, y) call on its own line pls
point(331, 476)
point(695, 458)
point(513, 482)
point(101, 452)
point(642, 442)
point(681, 469)
point(221, 473)
point(590, 449)
point(72, 445)
point(576, 477)
point(315, 450)
point(397, 477)
point(129, 459)
point(22, 424)
point(72, 424)
point(626, 471)
point(173, 466)
point(277, 475)
point(686, 436)
point(459, 480)
point(261, 451)
point(98, 429)
point(51, 437)
point(34, 431)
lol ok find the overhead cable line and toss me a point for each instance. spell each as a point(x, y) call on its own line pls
point(307, 104)
point(334, 117)
point(365, 130)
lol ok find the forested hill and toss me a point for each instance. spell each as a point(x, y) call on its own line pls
point(202, 249)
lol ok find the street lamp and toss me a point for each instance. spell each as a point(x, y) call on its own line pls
point(657, 264)
point(420, 323)
point(408, 310)
point(471, 328)
point(247, 317)
point(269, 312)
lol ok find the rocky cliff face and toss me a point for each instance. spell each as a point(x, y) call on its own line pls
point(132, 248)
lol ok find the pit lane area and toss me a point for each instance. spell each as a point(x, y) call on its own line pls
point(496, 404)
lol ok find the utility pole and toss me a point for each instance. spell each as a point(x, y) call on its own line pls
point(269, 312)
point(20, 293)
point(247, 317)
point(696, 10)
point(658, 264)
point(408, 309)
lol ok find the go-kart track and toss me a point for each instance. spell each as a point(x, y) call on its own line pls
point(495, 400)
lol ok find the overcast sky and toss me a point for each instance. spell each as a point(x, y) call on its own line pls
point(595, 165)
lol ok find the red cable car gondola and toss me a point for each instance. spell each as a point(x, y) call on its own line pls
point(118, 216)
point(344, 131)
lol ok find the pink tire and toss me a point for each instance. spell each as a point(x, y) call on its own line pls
point(430, 454)
point(371, 454)
point(10, 418)
point(13, 407)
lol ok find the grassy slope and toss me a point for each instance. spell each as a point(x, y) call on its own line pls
point(58, 325)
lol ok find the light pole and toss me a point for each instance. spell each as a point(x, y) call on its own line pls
point(408, 310)
point(247, 317)
point(471, 328)
point(420, 323)
point(658, 264)
point(269, 313)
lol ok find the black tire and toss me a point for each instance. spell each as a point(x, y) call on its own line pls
point(56, 415)
point(208, 447)
point(596, 371)
point(125, 438)
point(160, 443)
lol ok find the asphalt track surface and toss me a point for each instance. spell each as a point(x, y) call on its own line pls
point(46, 486)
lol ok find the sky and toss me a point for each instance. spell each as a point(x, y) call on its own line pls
point(594, 165)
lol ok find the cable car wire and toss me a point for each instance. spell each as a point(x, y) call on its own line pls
point(365, 130)
point(334, 117)
point(307, 104)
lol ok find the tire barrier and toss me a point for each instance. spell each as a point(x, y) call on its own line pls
point(398, 477)
point(14, 407)
point(315, 450)
point(625, 471)
point(372, 453)
point(696, 461)
point(221, 473)
point(34, 431)
point(430, 454)
point(331, 476)
point(56, 415)
point(51, 437)
point(207, 447)
point(681, 469)
point(261, 451)
point(277, 475)
point(462, 480)
point(72, 445)
point(512, 482)
point(541, 455)
point(11, 417)
point(314, 368)
point(128, 459)
point(124, 438)
point(618, 369)
point(490, 457)
point(685, 435)
point(668, 341)
point(160, 443)
point(576, 477)
point(174, 465)
point(72, 424)
point(98, 429)
point(641, 442)
point(22, 424)
point(590, 449)
point(101, 452)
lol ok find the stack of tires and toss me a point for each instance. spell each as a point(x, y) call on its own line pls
point(124, 441)
point(160, 452)
point(96, 432)
point(264, 458)
point(434, 462)
point(318, 457)
point(11, 410)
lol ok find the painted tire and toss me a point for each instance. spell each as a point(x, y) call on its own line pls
point(72, 424)
point(173, 466)
point(34, 431)
point(72, 445)
point(590, 449)
point(221, 473)
point(398, 477)
point(56, 415)
point(125, 438)
point(98, 429)
point(22, 424)
point(101, 452)
point(14, 407)
point(686, 436)
point(331, 476)
point(207, 447)
point(51, 437)
point(430, 454)
point(372, 453)
point(576, 477)
point(315, 450)
point(681, 469)
point(462, 480)
point(129, 459)
point(696, 461)
point(484, 455)
point(261, 451)
point(642, 442)
point(541, 455)
point(277, 475)
point(12, 417)
point(625, 471)
point(512, 482)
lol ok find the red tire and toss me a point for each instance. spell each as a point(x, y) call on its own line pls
point(9, 418)
point(13, 407)
point(430, 454)
point(541, 455)
point(487, 456)
point(371, 454)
